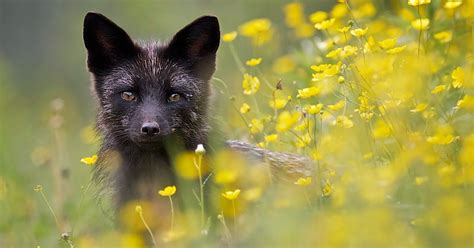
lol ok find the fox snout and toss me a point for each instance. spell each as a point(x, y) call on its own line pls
point(150, 128)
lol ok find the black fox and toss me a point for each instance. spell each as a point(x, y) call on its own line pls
point(153, 102)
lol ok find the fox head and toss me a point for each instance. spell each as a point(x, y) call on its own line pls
point(149, 92)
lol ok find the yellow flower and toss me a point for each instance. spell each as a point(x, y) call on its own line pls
point(304, 181)
point(343, 121)
point(316, 155)
point(319, 68)
point(184, 165)
point(254, 27)
point(381, 130)
point(364, 104)
point(327, 189)
point(90, 160)
point(368, 156)
point(359, 32)
point(168, 191)
point(303, 140)
point(334, 53)
point(229, 37)
point(419, 108)
point(278, 103)
point(250, 84)
point(418, 2)
point(365, 108)
point(261, 145)
point(318, 16)
point(344, 29)
point(253, 61)
point(458, 77)
point(283, 64)
point(342, 52)
point(396, 50)
point(271, 138)
point(428, 114)
point(442, 136)
point(451, 4)
point(138, 209)
point(370, 45)
point(325, 24)
point(438, 89)
point(256, 126)
point(308, 92)
point(421, 24)
point(327, 70)
point(348, 51)
point(38, 188)
point(231, 195)
point(444, 36)
point(260, 30)
point(313, 109)
point(339, 11)
point(303, 126)
point(245, 108)
point(366, 10)
point(252, 194)
point(286, 120)
point(466, 102)
point(388, 43)
point(294, 14)
point(337, 106)
point(420, 180)
point(225, 176)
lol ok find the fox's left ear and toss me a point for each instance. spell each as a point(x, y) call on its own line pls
point(107, 44)
point(196, 45)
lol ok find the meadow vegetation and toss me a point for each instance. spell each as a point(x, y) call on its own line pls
point(380, 96)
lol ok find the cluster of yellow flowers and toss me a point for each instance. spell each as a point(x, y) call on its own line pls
point(382, 100)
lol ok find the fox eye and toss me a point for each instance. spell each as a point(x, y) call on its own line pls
point(128, 96)
point(174, 97)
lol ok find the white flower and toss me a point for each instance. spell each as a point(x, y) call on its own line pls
point(200, 149)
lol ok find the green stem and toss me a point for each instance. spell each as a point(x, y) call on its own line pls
point(264, 78)
point(307, 198)
point(226, 229)
point(235, 215)
point(148, 229)
point(51, 210)
point(172, 214)
point(256, 103)
point(201, 189)
point(81, 201)
point(421, 30)
point(236, 58)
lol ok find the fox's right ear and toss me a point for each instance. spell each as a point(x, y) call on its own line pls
point(107, 44)
point(195, 46)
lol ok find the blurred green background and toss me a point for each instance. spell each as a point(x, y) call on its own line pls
point(42, 67)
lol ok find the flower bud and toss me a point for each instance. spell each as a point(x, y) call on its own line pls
point(200, 150)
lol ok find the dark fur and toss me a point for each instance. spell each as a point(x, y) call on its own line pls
point(128, 160)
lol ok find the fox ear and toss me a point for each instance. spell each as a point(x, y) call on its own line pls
point(196, 45)
point(107, 44)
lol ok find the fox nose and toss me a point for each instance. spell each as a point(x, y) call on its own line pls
point(150, 128)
